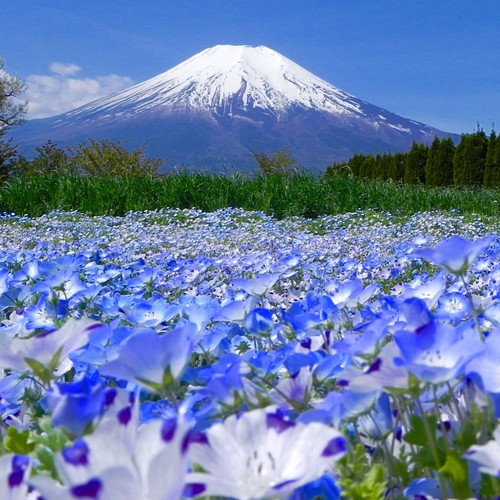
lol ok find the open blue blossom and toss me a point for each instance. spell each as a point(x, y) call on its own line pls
point(258, 321)
point(152, 360)
point(76, 404)
point(455, 254)
point(437, 352)
point(48, 350)
point(262, 454)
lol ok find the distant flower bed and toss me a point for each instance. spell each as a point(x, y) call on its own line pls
point(176, 353)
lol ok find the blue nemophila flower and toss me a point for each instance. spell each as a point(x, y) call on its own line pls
point(455, 254)
point(74, 405)
point(487, 456)
point(484, 370)
point(150, 313)
point(49, 350)
point(152, 360)
point(453, 307)
point(437, 352)
point(258, 286)
point(120, 460)
point(259, 320)
point(262, 454)
point(14, 476)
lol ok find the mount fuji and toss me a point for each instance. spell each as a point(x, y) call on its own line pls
point(212, 110)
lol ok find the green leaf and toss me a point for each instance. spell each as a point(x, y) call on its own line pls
point(40, 371)
point(456, 470)
point(18, 441)
point(417, 435)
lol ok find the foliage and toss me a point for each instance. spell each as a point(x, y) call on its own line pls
point(469, 160)
point(280, 162)
point(414, 172)
point(439, 165)
point(110, 159)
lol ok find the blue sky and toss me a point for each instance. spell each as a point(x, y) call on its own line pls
point(436, 61)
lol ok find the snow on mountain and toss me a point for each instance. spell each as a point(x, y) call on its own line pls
point(215, 108)
point(222, 77)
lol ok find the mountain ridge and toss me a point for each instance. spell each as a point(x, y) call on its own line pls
point(228, 101)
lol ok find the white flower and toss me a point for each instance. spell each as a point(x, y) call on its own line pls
point(261, 454)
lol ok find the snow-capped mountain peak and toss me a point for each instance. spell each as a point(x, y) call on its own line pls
point(226, 79)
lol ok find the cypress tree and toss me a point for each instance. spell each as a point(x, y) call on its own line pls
point(366, 169)
point(397, 165)
point(469, 160)
point(432, 170)
point(355, 164)
point(490, 167)
point(495, 178)
point(416, 159)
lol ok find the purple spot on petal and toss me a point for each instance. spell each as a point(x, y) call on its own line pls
point(109, 397)
point(283, 484)
point(20, 462)
point(46, 333)
point(193, 489)
point(399, 433)
point(89, 489)
point(197, 437)
point(277, 422)
point(124, 415)
point(131, 398)
point(16, 478)
point(93, 326)
point(342, 383)
point(306, 343)
point(375, 366)
point(168, 429)
point(76, 454)
point(335, 446)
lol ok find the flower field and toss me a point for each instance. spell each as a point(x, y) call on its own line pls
point(173, 354)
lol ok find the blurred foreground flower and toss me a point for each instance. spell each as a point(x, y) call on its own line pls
point(455, 254)
point(261, 454)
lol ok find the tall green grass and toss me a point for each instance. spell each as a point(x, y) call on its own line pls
point(280, 196)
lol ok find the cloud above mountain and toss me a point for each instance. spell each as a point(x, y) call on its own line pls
point(64, 89)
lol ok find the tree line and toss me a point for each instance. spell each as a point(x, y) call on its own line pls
point(474, 161)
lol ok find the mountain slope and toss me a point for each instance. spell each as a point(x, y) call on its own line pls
point(216, 107)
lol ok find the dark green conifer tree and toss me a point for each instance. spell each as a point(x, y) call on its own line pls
point(414, 171)
point(439, 165)
point(366, 170)
point(490, 178)
point(355, 163)
point(469, 160)
point(397, 166)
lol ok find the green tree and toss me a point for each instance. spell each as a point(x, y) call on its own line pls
point(414, 171)
point(49, 159)
point(110, 159)
point(366, 169)
point(397, 167)
point(439, 165)
point(491, 176)
point(469, 160)
point(280, 162)
point(355, 163)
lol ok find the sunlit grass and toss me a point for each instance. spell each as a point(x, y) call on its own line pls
point(281, 196)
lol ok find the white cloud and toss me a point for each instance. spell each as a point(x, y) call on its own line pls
point(64, 69)
point(63, 90)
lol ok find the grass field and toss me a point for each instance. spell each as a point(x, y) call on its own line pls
point(280, 196)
